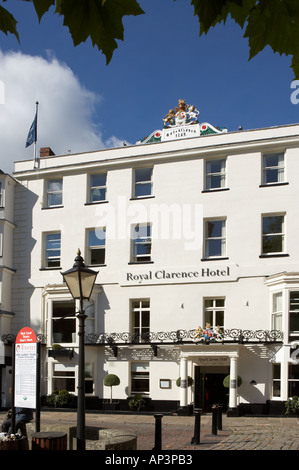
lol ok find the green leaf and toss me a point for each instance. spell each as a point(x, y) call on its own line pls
point(42, 6)
point(211, 12)
point(8, 23)
point(271, 23)
point(101, 20)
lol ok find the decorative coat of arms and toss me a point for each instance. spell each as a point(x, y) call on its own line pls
point(208, 335)
point(182, 122)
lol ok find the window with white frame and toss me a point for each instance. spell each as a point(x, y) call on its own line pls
point(294, 316)
point(276, 381)
point(215, 238)
point(97, 187)
point(143, 182)
point(140, 377)
point(273, 238)
point(89, 378)
point(63, 377)
point(96, 246)
point(88, 307)
point(293, 385)
point(276, 323)
point(214, 310)
point(1, 194)
point(273, 168)
point(140, 314)
point(54, 192)
point(52, 243)
point(63, 321)
point(215, 174)
point(142, 243)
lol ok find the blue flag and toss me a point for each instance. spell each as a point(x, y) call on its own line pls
point(32, 134)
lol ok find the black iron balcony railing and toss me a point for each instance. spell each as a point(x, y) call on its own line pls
point(234, 335)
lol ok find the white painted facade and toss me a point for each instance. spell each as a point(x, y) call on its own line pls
point(7, 271)
point(207, 259)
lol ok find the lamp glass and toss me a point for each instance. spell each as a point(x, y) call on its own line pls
point(80, 283)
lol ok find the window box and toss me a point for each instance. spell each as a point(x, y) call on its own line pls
point(61, 352)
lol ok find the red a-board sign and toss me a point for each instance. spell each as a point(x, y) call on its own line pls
point(25, 368)
point(26, 335)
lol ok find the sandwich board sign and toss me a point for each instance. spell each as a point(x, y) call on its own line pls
point(25, 369)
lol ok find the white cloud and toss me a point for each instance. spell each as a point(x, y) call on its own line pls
point(65, 111)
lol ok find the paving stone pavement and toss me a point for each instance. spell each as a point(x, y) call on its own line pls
point(240, 433)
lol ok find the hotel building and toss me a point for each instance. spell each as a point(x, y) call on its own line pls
point(193, 232)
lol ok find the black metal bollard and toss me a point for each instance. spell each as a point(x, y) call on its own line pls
point(196, 438)
point(214, 419)
point(158, 432)
point(219, 416)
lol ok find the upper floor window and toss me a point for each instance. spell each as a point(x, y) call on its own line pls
point(273, 239)
point(97, 187)
point(273, 168)
point(215, 238)
point(89, 308)
point(52, 250)
point(142, 243)
point(64, 321)
point(1, 194)
point(214, 312)
point(277, 311)
point(96, 246)
point(294, 315)
point(143, 182)
point(140, 319)
point(215, 176)
point(54, 192)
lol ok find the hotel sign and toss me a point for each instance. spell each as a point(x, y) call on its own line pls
point(178, 275)
point(181, 132)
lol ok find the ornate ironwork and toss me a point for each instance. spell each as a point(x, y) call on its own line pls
point(234, 335)
point(9, 338)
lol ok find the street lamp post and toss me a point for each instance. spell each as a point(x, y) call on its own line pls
point(80, 281)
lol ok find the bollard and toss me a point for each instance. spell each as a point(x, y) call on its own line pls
point(196, 438)
point(214, 419)
point(158, 432)
point(219, 416)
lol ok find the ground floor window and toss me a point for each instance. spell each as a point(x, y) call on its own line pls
point(276, 383)
point(89, 379)
point(293, 389)
point(63, 377)
point(140, 377)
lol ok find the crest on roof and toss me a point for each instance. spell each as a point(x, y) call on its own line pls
point(181, 123)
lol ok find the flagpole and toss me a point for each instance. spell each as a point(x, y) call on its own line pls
point(35, 159)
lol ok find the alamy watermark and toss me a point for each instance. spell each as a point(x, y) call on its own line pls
point(2, 92)
point(295, 93)
point(167, 221)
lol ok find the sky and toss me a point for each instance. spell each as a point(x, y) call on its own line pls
point(86, 105)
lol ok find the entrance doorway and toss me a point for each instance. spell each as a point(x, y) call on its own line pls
point(209, 388)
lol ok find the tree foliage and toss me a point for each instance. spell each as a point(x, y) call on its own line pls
point(273, 23)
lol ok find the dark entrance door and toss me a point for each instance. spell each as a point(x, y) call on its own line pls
point(209, 389)
point(215, 392)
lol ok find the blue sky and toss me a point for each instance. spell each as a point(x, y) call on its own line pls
point(86, 105)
